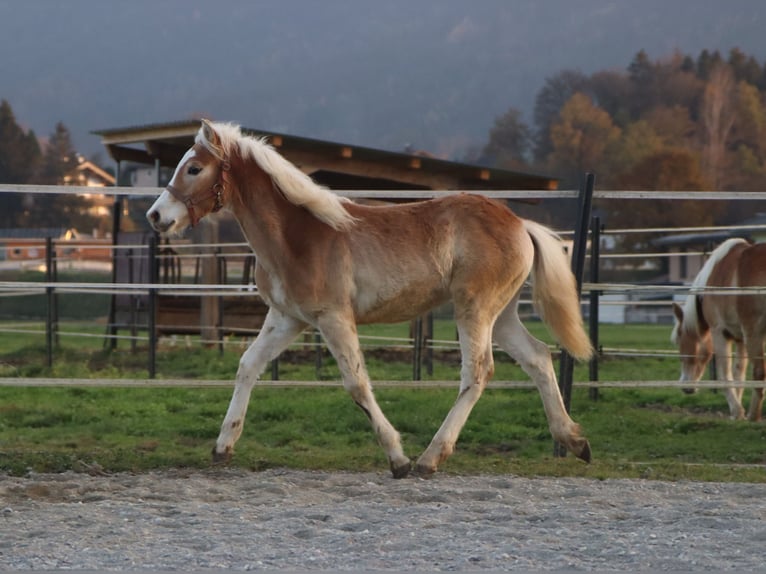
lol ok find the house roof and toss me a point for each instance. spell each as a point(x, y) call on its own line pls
point(89, 168)
point(337, 165)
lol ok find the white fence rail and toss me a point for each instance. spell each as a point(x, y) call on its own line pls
point(195, 252)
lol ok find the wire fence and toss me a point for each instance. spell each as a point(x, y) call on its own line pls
point(238, 284)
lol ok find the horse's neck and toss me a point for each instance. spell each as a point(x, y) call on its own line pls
point(265, 217)
point(702, 324)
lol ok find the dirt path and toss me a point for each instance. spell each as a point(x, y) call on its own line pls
point(232, 519)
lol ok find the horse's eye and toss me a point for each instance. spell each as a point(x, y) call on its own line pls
point(193, 170)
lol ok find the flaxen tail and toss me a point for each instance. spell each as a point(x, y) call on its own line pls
point(554, 292)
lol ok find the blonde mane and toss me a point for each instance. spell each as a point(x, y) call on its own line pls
point(297, 187)
point(690, 318)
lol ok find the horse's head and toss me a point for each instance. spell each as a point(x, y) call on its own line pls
point(198, 186)
point(695, 348)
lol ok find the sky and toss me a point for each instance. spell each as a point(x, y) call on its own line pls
point(432, 74)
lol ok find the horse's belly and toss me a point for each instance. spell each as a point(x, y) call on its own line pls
point(407, 304)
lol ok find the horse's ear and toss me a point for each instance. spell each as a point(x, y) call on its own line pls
point(678, 312)
point(210, 135)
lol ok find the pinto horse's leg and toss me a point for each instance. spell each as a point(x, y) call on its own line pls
point(739, 371)
point(476, 371)
point(755, 352)
point(277, 333)
point(339, 332)
point(723, 368)
point(535, 359)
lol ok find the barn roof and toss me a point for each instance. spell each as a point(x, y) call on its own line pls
point(337, 165)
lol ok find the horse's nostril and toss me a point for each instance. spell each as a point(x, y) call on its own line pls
point(154, 216)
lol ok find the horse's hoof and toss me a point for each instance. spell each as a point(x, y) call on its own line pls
point(423, 471)
point(585, 453)
point(222, 457)
point(401, 471)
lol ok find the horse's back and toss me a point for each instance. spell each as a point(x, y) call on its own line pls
point(409, 257)
point(751, 268)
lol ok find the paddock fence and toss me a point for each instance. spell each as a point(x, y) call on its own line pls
point(159, 276)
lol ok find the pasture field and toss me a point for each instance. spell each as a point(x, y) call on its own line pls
point(650, 432)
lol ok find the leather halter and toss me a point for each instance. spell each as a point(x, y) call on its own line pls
point(216, 193)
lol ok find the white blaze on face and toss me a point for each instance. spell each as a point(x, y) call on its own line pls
point(172, 215)
point(188, 156)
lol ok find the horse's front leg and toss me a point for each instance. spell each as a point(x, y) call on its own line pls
point(723, 368)
point(739, 369)
point(277, 333)
point(339, 332)
point(476, 371)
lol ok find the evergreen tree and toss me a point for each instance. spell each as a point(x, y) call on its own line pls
point(59, 167)
point(59, 159)
point(509, 141)
point(19, 160)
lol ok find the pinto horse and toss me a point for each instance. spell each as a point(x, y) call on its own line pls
point(329, 263)
point(710, 324)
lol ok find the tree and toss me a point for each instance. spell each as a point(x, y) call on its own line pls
point(745, 68)
point(748, 156)
point(673, 124)
point(19, 160)
point(706, 62)
point(510, 141)
point(59, 159)
point(550, 99)
point(613, 92)
point(663, 83)
point(59, 165)
point(668, 170)
point(19, 150)
point(580, 138)
point(717, 120)
point(636, 142)
point(750, 126)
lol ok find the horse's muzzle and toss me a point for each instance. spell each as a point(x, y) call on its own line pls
point(157, 224)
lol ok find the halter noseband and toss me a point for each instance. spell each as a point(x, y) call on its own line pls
point(216, 192)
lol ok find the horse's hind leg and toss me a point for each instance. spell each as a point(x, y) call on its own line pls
point(476, 371)
point(534, 357)
point(341, 337)
point(277, 333)
point(755, 352)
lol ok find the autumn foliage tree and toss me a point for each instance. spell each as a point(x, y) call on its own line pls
point(676, 123)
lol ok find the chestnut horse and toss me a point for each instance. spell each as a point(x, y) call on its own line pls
point(711, 323)
point(329, 263)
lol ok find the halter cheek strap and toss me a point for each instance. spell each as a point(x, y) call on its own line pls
point(216, 192)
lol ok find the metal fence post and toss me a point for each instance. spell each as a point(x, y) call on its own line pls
point(152, 367)
point(566, 366)
point(595, 253)
point(50, 301)
point(417, 348)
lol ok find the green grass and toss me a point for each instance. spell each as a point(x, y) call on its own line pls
point(651, 433)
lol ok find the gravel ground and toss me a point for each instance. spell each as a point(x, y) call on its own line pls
point(296, 520)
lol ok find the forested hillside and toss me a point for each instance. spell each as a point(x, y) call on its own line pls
point(681, 122)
